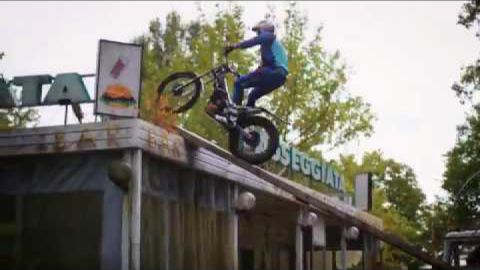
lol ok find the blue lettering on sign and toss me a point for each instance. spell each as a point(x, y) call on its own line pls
point(325, 173)
point(306, 165)
point(66, 88)
point(285, 159)
point(331, 178)
point(318, 170)
point(295, 160)
point(32, 88)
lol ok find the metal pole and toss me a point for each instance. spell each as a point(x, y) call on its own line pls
point(311, 250)
point(343, 247)
point(234, 231)
point(126, 217)
point(299, 242)
point(334, 259)
point(365, 251)
point(136, 209)
point(324, 256)
point(66, 115)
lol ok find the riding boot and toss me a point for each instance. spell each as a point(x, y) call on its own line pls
point(211, 109)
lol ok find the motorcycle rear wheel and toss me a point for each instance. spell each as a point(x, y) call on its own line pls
point(179, 99)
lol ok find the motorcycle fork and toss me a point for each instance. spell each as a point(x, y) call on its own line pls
point(220, 82)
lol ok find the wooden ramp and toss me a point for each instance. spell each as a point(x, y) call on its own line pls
point(324, 203)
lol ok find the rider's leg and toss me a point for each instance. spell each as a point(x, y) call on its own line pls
point(269, 82)
point(245, 81)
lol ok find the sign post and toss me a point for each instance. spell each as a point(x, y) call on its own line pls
point(118, 79)
point(363, 191)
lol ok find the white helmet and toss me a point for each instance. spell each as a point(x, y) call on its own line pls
point(264, 26)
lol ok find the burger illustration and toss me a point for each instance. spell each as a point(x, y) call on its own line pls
point(118, 95)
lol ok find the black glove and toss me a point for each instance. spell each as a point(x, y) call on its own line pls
point(228, 49)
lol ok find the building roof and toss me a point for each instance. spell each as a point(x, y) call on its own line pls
point(139, 134)
point(188, 149)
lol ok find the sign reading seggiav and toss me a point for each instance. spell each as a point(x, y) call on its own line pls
point(318, 170)
point(118, 78)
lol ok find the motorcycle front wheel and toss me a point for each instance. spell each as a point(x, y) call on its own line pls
point(260, 143)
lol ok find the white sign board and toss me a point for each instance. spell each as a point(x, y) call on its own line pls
point(363, 191)
point(118, 78)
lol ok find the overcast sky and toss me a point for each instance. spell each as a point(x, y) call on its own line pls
point(402, 59)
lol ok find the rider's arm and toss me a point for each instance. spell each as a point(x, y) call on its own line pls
point(263, 38)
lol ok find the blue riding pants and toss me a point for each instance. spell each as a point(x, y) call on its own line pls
point(264, 80)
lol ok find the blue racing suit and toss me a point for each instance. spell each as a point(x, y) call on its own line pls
point(271, 74)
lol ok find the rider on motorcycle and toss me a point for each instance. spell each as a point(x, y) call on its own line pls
point(271, 74)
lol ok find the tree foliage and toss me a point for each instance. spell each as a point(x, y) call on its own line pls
point(438, 219)
point(463, 162)
point(469, 15)
point(314, 100)
point(194, 46)
point(397, 200)
point(396, 179)
point(469, 82)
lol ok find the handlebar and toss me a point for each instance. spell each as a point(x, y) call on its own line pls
point(230, 68)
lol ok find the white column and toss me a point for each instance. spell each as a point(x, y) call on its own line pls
point(126, 216)
point(234, 227)
point(299, 242)
point(136, 193)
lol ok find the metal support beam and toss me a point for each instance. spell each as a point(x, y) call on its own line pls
point(111, 253)
point(126, 217)
point(136, 206)
point(234, 231)
point(18, 231)
point(166, 232)
point(343, 249)
point(370, 251)
point(324, 257)
point(299, 242)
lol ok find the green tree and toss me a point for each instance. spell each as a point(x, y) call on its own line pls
point(463, 163)
point(195, 46)
point(314, 99)
point(460, 179)
point(396, 179)
point(439, 221)
point(206, 52)
point(469, 82)
point(460, 209)
point(397, 200)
